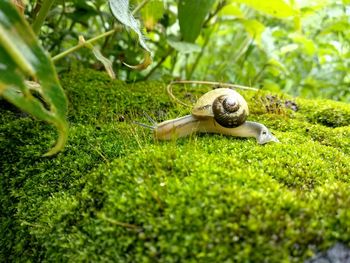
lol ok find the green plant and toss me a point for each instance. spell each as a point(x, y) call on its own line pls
point(23, 58)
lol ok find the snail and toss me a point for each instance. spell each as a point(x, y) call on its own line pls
point(222, 111)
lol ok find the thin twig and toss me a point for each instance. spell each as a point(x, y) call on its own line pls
point(199, 56)
point(118, 223)
point(40, 18)
point(259, 74)
point(220, 6)
point(137, 8)
point(110, 32)
point(160, 62)
point(80, 45)
point(228, 85)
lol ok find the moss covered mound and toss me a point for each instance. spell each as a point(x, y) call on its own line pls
point(116, 195)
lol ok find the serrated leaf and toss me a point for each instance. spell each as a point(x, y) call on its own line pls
point(21, 56)
point(120, 10)
point(191, 15)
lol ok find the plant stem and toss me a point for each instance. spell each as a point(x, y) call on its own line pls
point(199, 56)
point(220, 6)
point(137, 8)
point(160, 62)
point(40, 18)
point(222, 85)
point(259, 74)
point(110, 32)
point(80, 45)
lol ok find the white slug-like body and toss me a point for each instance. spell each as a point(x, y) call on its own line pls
point(222, 111)
point(189, 124)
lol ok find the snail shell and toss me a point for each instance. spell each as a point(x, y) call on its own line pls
point(226, 106)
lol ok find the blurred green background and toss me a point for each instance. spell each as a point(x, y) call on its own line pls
point(299, 47)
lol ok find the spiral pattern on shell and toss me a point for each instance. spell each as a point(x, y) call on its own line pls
point(228, 111)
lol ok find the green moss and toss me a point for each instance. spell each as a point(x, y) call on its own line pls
point(332, 117)
point(117, 195)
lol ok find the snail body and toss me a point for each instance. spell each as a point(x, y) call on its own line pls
point(222, 111)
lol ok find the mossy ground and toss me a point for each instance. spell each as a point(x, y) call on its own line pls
point(116, 195)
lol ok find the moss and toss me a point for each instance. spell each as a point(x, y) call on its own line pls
point(117, 195)
point(333, 117)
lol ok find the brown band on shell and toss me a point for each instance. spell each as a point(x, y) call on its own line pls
point(228, 113)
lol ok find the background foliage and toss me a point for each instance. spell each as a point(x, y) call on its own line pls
point(294, 46)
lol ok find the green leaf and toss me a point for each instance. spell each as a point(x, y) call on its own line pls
point(97, 53)
point(339, 26)
point(120, 10)
point(254, 28)
point(151, 13)
point(147, 60)
point(276, 8)
point(191, 17)
point(306, 43)
point(231, 10)
point(183, 47)
point(289, 48)
point(271, 86)
point(277, 64)
point(20, 57)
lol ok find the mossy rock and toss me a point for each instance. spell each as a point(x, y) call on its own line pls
point(333, 117)
point(116, 195)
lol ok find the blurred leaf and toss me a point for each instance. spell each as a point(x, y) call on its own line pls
point(191, 16)
point(307, 44)
point(169, 18)
point(184, 47)
point(81, 13)
point(232, 10)
point(21, 56)
point(314, 4)
point(147, 60)
point(105, 61)
point(297, 23)
point(19, 5)
point(276, 64)
point(254, 28)
point(120, 10)
point(271, 85)
point(289, 48)
point(339, 26)
point(273, 71)
point(151, 13)
point(276, 8)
